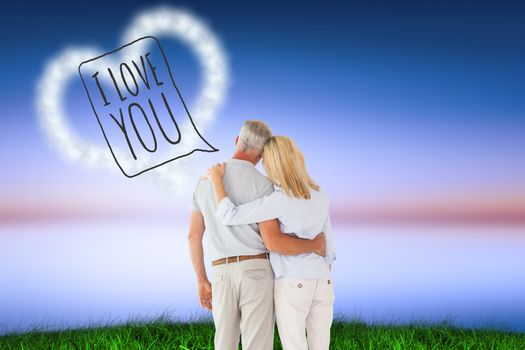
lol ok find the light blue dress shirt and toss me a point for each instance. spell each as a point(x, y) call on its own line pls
point(304, 218)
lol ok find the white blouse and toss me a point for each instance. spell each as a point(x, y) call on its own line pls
point(303, 218)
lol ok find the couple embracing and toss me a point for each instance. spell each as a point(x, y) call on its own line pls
point(270, 245)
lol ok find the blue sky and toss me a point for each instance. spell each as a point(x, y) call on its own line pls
point(409, 113)
point(396, 105)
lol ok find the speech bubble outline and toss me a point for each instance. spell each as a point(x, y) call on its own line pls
point(111, 148)
point(167, 21)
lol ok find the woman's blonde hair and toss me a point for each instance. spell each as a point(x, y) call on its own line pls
point(285, 166)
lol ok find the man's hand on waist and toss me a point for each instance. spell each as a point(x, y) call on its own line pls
point(320, 244)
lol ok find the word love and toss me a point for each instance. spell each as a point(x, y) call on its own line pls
point(139, 108)
point(124, 67)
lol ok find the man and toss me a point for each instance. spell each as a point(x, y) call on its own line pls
point(240, 294)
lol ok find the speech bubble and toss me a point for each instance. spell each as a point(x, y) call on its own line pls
point(165, 21)
point(139, 107)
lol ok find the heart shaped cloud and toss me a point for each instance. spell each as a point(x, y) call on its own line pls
point(163, 21)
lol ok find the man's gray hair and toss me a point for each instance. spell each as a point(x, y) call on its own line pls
point(253, 135)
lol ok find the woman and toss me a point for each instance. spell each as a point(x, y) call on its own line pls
point(304, 293)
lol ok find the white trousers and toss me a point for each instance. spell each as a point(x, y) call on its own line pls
point(304, 305)
point(242, 304)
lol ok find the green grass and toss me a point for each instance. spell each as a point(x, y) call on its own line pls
point(163, 334)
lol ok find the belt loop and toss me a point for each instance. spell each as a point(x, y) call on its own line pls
point(227, 260)
point(237, 258)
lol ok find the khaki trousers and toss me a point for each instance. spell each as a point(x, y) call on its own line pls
point(304, 305)
point(242, 304)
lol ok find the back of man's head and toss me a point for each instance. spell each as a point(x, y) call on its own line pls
point(253, 135)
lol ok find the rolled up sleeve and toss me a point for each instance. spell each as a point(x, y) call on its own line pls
point(330, 248)
point(226, 210)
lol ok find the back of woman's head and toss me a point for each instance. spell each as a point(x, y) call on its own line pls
point(285, 166)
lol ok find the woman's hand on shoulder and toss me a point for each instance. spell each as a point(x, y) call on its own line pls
point(216, 172)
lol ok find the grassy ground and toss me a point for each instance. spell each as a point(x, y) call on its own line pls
point(161, 334)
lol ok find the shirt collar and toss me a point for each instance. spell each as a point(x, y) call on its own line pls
point(241, 161)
